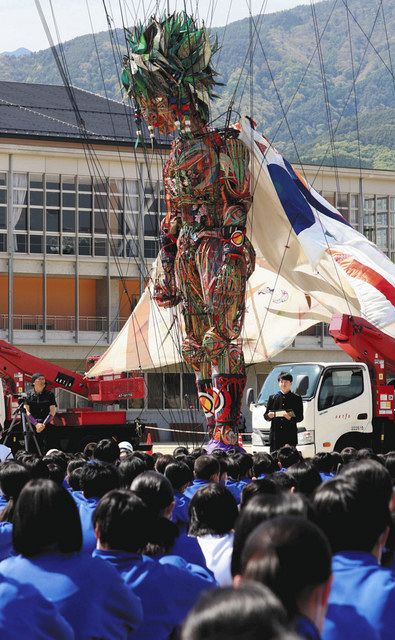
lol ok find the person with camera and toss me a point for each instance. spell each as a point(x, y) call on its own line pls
point(40, 405)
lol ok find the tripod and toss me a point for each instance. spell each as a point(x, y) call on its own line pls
point(27, 429)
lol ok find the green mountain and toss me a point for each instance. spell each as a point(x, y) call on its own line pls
point(286, 95)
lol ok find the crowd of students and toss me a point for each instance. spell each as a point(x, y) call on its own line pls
point(111, 543)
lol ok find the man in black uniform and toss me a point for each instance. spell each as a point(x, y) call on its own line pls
point(40, 406)
point(284, 410)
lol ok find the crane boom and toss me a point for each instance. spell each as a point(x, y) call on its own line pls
point(14, 362)
point(364, 342)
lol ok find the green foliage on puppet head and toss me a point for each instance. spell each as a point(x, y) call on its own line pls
point(171, 56)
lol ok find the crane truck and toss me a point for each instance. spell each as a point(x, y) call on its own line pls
point(72, 429)
point(345, 404)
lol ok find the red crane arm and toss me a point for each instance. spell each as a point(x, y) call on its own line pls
point(14, 361)
point(366, 343)
point(363, 341)
point(106, 389)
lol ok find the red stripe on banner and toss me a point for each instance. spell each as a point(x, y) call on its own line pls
point(356, 269)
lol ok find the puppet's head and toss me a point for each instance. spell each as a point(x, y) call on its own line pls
point(168, 72)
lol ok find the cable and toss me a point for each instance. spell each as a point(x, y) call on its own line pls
point(369, 37)
point(354, 90)
point(326, 95)
point(388, 44)
point(351, 90)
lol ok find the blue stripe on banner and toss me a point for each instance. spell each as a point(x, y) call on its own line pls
point(311, 199)
point(296, 207)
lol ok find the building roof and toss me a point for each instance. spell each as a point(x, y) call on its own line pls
point(44, 111)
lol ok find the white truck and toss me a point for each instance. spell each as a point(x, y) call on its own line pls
point(345, 404)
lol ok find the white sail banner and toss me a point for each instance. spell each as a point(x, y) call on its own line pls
point(310, 242)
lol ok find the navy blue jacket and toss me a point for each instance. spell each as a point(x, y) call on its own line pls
point(194, 487)
point(24, 613)
point(87, 591)
point(362, 599)
point(167, 593)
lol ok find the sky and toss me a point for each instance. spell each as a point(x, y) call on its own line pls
point(20, 24)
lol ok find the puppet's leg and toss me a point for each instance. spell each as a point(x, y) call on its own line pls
point(224, 278)
point(196, 324)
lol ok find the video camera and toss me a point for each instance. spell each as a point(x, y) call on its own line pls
point(21, 400)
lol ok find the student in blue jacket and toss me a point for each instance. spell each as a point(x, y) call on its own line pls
point(157, 493)
point(251, 612)
point(180, 476)
point(88, 593)
point(353, 511)
point(97, 478)
point(13, 477)
point(233, 482)
point(24, 613)
point(206, 469)
point(292, 557)
point(123, 524)
point(263, 465)
point(162, 537)
point(261, 508)
point(245, 461)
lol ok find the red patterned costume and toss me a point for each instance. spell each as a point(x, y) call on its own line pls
point(205, 255)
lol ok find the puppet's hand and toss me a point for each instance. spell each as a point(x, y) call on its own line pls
point(166, 294)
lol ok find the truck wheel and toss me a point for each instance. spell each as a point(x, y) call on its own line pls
point(356, 440)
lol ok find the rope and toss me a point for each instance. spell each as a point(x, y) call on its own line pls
point(198, 433)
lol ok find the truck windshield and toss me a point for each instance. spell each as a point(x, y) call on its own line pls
point(305, 380)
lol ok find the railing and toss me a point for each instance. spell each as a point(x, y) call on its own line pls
point(60, 323)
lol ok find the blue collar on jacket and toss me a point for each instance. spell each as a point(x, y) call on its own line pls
point(345, 559)
point(306, 629)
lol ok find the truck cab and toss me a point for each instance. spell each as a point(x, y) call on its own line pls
point(337, 405)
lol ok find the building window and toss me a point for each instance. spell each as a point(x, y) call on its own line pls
point(36, 243)
point(151, 248)
point(132, 247)
point(76, 213)
point(354, 207)
point(392, 227)
point(53, 245)
point(343, 205)
point(172, 391)
point(189, 393)
point(330, 196)
point(3, 210)
point(85, 221)
point(68, 245)
point(100, 246)
point(368, 218)
point(154, 390)
point(84, 246)
point(153, 206)
point(68, 220)
point(116, 247)
point(172, 388)
point(3, 204)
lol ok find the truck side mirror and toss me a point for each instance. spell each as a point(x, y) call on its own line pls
point(250, 397)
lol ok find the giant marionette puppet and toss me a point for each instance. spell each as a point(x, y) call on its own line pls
point(206, 257)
